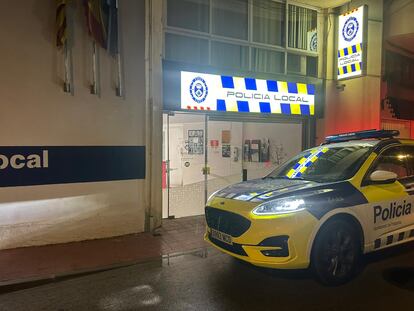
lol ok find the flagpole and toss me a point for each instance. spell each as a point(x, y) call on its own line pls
point(95, 85)
point(67, 67)
point(120, 86)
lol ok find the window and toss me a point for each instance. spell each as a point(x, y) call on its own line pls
point(186, 49)
point(230, 18)
point(295, 64)
point(302, 65)
point(268, 22)
point(408, 152)
point(302, 23)
point(332, 164)
point(189, 14)
point(392, 160)
point(311, 66)
point(268, 61)
point(229, 55)
point(246, 35)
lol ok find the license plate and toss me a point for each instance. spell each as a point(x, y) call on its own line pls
point(223, 237)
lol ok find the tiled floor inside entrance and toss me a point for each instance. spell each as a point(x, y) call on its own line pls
point(182, 234)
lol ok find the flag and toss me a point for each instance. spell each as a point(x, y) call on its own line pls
point(96, 12)
point(112, 45)
point(61, 25)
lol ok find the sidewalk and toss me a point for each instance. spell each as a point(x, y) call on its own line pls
point(51, 261)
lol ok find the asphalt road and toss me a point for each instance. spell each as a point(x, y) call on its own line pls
point(209, 280)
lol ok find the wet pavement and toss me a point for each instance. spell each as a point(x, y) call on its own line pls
point(208, 280)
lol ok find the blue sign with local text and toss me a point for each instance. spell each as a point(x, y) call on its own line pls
point(43, 165)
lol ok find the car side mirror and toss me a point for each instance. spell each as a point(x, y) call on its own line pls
point(382, 177)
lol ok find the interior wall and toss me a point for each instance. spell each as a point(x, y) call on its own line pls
point(35, 111)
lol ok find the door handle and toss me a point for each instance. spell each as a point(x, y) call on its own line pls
point(205, 170)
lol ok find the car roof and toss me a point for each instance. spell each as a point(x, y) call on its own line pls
point(362, 142)
point(377, 144)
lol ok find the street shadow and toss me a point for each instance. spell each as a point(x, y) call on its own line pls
point(399, 276)
point(402, 277)
point(296, 274)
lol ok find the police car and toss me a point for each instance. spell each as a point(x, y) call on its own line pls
point(322, 209)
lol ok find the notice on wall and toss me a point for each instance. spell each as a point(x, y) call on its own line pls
point(195, 142)
point(225, 151)
point(352, 43)
point(225, 137)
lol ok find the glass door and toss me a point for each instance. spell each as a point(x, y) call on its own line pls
point(225, 154)
point(184, 162)
point(203, 154)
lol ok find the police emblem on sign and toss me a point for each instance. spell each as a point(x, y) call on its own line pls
point(198, 90)
point(314, 42)
point(350, 29)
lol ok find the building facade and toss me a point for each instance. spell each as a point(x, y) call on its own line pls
point(213, 92)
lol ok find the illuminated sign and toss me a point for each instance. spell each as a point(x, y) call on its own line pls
point(208, 92)
point(351, 43)
point(313, 40)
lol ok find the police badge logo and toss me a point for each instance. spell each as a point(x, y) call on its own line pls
point(350, 29)
point(198, 90)
point(314, 42)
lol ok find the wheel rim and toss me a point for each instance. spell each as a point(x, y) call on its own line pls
point(339, 254)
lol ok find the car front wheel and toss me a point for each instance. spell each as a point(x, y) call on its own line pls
point(336, 253)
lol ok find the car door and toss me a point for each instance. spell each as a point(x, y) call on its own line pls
point(388, 214)
point(408, 183)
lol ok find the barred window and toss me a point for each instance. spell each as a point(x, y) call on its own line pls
point(302, 24)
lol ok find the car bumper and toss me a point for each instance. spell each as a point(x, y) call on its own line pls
point(281, 241)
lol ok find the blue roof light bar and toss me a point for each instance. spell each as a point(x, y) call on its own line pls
point(361, 135)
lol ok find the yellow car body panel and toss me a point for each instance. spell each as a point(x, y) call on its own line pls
point(297, 226)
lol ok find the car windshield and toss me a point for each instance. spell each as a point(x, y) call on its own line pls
point(325, 163)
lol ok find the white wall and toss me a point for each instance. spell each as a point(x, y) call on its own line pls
point(35, 111)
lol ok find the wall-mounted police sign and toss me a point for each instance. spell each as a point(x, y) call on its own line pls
point(198, 89)
point(209, 92)
point(312, 40)
point(352, 43)
point(24, 166)
point(350, 28)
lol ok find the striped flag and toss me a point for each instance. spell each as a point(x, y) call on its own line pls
point(61, 25)
point(96, 12)
point(112, 27)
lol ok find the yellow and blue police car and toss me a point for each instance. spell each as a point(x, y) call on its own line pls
point(322, 209)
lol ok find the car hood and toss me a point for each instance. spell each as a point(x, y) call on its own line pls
point(266, 189)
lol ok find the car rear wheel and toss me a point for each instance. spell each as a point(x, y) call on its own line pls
point(336, 253)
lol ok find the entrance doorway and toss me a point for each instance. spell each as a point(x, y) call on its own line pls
point(202, 154)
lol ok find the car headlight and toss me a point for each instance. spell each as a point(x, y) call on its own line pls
point(280, 206)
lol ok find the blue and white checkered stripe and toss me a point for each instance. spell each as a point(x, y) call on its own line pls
point(266, 106)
